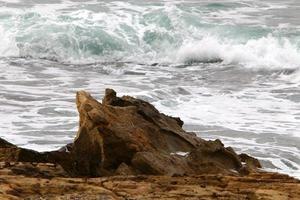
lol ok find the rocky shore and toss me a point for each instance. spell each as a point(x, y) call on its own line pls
point(126, 149)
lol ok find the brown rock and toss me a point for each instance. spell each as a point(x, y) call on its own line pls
point(214, 155)
point(160, 164)
point(124, 169)
point(263, 185)
point(127, 135)
point(112, 132)
point(252, 163)
point(12, 153)
point(132, 131)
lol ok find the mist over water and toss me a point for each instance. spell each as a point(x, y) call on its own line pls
point(229, 69)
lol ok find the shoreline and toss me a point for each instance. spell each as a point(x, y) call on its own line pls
point(126, 149)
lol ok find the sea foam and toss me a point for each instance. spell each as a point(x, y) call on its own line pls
point(8, 46)
point(266, 52)
point(159, 33)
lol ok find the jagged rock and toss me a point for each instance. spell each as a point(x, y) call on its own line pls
point(132, 131)
point(112, 132)
point(130, 136)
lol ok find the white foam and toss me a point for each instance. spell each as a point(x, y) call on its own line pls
point(180, 153)
point(11, 1)
point(292, 78)
point(269, 51)
point(8, 45)
point(266, 52)
point(236, 111)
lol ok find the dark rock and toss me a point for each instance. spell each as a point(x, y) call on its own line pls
point(12, 153)
point(251, 162)
point(5, 144)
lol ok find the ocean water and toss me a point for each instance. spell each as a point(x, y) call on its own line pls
point(229, 69)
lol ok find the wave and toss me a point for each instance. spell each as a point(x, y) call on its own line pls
point(266, 52)
point(8, 46)
point(96, 45)
point(162, 33)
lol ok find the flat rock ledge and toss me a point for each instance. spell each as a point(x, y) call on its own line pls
point(126, 141)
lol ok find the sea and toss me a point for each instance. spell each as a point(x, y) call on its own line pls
point(229, 69)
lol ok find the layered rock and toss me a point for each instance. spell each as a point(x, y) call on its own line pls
point(131, 131)
point(125, 135)
point(42, 182)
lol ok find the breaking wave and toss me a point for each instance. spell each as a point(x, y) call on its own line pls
point(266, 52)
point(166, 33)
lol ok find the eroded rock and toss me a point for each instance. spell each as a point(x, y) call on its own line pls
point(128, 135)
point(131, 131)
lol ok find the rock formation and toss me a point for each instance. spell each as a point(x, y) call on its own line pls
point(130, 139)
point(132, 132)
point(130, 136)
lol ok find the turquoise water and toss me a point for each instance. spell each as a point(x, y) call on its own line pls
point(76, 32)
point(229, 69)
